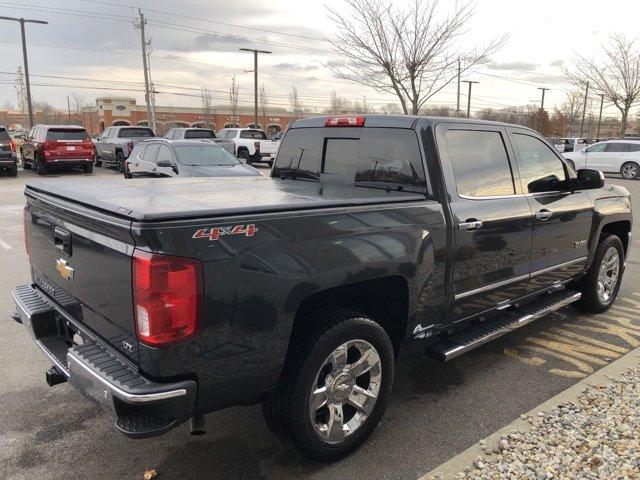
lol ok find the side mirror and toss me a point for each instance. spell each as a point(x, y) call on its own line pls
point(590, 179)
point(164, 163)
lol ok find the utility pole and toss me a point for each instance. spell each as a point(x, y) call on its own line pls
point(147, 93)
point(68, 111)
point(458, 102)
point(255, 81)
point(22, 21)
point(540, 120)
point(470, 82)
point(601, 95)
point(584, 110)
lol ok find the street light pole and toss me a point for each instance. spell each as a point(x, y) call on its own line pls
point(255, 81)
point(470, 82)
point(600, 115)
point(68, 111)
point(584, 109)
point(541, 123)
point(22, 21)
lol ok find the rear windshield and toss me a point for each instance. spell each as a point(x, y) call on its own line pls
point(66, 134)
point(199, 134)
point(257, 134)
point(387, 158)
point(4, 135)
point(204, 154)
point(135, 132)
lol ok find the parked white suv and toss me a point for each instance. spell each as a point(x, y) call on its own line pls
point(252, 145)
point(612, 156)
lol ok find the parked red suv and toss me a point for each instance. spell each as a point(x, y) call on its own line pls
point(49, 147)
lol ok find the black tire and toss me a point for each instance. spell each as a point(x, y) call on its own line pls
point(127, 173)
point(88, 168)
point(243, 153)
point(287, 409)
point(25, 165)
point(630, 170)
point(13, 171)
point(591, 301)
point(96, 160)
point(120, 161)
point(41, 168)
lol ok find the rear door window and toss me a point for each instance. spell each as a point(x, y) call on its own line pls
point(199, 134)
point(633, 147)
point(615, 147)
point(66, 134)
point(135, 132)
point(481, 167)
point(150, 153)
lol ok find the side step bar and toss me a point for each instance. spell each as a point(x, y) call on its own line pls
point(454, 345)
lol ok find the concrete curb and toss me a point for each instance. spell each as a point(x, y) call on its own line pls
point(453, 466)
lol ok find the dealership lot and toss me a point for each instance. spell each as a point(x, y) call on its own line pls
point(435, 412)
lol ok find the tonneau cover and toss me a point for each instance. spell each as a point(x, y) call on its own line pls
point(166, 199)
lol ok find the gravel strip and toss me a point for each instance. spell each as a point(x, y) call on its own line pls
point(595, 437)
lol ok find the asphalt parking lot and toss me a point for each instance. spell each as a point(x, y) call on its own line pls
point(436, 410)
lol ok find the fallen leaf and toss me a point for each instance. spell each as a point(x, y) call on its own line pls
point(149, 474)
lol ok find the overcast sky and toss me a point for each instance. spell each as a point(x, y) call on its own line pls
point(93, 43)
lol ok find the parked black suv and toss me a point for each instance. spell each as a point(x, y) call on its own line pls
point(167, 300)
point(8, 160)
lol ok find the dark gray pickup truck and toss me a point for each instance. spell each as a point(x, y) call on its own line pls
point(166, 300)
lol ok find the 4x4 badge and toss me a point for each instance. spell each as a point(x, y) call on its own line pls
point(63, 269)
point(215, 233)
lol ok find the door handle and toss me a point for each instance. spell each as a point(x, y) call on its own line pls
point(470, 224)
point(154, 169)
point(543, 215)
point(136, 164)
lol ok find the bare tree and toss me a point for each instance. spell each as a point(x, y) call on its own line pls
point(48, 112)
point(411, 53)
point(294, 100)
point(233, 100)
point(207, 107)
point(571, 108)
point(391, 109)
point(21, 92)
point(263, 99)
point(78, 102)
point(617, 77)
point(335, 103)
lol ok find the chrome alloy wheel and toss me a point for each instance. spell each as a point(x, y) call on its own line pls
point(608, 274)
point(345, 390)
point(630, 171)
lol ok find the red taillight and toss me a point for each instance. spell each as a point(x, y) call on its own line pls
point(13, 146)
point(257, 146)
point(167, 298)
point(345, 121)
point(25, 216)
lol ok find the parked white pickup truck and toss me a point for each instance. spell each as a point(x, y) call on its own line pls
point(251, 145)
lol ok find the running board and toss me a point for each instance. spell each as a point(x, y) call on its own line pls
point(456, 344)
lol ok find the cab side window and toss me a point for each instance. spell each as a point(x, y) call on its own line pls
point(543, 170)
point(480, 163)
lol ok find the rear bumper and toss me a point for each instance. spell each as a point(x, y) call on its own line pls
point(8, 162)
point(67, 162)
point(141, 406)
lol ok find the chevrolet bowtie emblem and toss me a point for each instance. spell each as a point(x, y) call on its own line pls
point(64, 270)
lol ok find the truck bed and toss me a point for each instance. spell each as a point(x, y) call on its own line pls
point(164, 199)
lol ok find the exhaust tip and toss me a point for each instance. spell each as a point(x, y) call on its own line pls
point(54, 377)
point(198, 425)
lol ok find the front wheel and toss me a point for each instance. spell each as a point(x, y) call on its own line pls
point(120, 161)
point(601, 284)
point(335, 386)
point(630, 170)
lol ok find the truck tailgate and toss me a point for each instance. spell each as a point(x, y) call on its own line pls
point(81, 259)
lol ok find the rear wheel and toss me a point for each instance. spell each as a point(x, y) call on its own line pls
point(96, 160)
point(630, 170)
point(40, 167)
point(120, 161)
point(601, 284)
point(25, 165)
point(127, 172)
point(13, 171)
point(335, 386)
point(88, 168)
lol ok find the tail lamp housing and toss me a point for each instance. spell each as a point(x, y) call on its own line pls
point(167, 298)
point(25, 219)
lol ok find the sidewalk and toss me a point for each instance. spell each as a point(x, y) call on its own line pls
point(591, 431)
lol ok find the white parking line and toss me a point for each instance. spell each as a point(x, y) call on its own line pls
point(4, 245)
